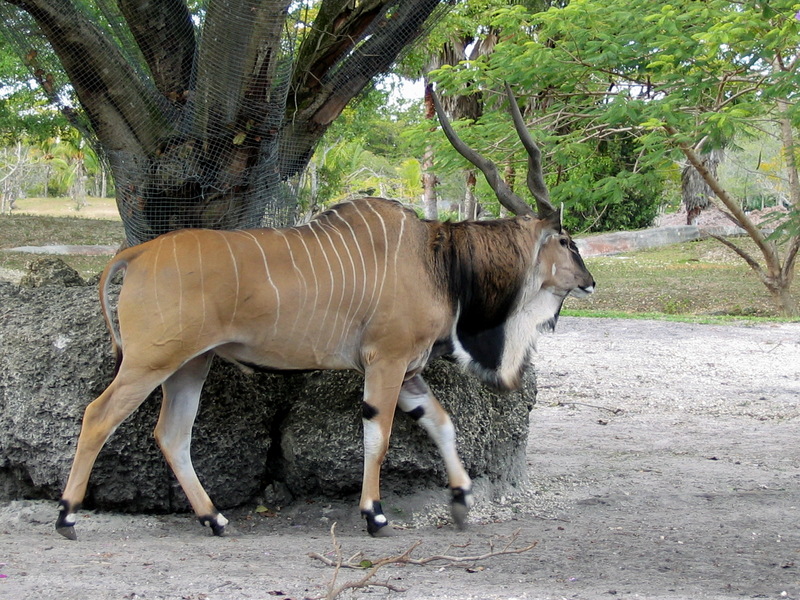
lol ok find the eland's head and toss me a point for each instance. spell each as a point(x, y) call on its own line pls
point(561, 268)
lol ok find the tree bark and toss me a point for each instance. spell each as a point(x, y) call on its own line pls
point(470, 200)
point(207, 127)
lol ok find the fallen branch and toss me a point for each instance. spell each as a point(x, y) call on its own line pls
point(401, 559)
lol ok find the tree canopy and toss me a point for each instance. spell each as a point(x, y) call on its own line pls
point(620, 92)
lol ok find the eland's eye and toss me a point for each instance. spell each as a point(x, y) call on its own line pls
point(564, 242)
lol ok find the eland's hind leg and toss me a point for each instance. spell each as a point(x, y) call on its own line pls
point(417, 400)
point(101, 418)
point(174, 435)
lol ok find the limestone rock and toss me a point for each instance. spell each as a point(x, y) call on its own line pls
point(50, 271)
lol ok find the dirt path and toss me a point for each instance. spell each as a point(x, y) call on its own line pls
point(664, 463)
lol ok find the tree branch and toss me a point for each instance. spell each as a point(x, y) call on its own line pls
point(753, 263)
point(236, 57)
point(745, 222)
point(352, 64)
point(164, 33)
point(336, 27)
point(509, 548)
point(125, 113)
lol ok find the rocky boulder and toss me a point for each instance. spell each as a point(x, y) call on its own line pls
point(299, 432)
point(50, 271)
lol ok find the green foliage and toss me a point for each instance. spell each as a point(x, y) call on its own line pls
point(601, 188)
point(365, 152)
point(25, 113)
point(599, 178)
point(613, 89)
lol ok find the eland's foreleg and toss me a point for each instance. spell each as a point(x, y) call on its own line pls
point(417, 400)
point(101, 418)
point(381, 388)
point(174, 436)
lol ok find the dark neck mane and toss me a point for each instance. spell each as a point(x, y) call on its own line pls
point(482, 265)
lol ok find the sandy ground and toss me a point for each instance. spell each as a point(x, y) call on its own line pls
point(664, 463)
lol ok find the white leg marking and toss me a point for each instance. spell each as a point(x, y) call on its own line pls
point(174, 428)
point(415, 394)
point(373, 440)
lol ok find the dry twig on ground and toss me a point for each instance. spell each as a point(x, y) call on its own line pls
point(357, 561)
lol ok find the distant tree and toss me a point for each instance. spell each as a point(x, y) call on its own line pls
point(465, 34)
point(696, 194)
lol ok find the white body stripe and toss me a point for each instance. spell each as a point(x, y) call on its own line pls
point(201, 271)
point(300, 276)
point(238, 283)
point(268, 276)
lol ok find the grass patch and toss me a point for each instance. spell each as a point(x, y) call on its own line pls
point(95, 208)
point(52, 221)
point(701, 279)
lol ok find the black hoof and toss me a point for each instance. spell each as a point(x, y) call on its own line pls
point(377, 523)
point(383, 531)
point(65, 524)
point(459, 513)
point(217, 524)
point(459, 507)
point(68, 532)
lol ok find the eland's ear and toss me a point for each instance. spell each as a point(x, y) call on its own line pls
point(553, 218)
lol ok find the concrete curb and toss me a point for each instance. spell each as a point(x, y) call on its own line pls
point(60, 250)
point(608, 244)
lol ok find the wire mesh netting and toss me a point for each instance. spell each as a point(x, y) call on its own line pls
point(208, 111)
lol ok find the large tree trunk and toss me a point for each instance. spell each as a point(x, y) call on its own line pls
point(470, 200)
point(203, 123)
